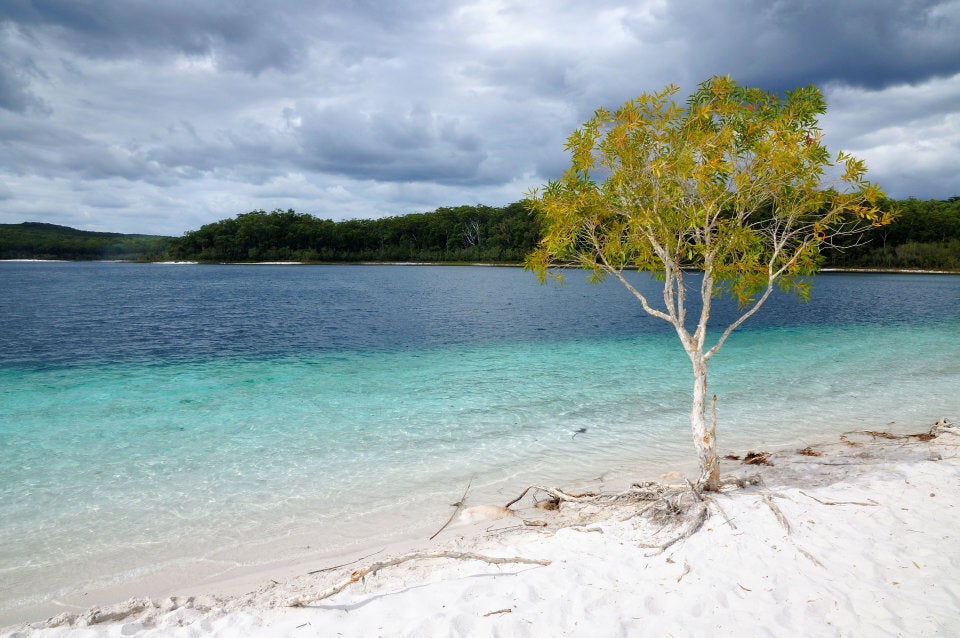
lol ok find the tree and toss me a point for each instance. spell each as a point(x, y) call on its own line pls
point(731, 185)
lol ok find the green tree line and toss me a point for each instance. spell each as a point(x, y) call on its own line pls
point(459, 234)
point(34, 240)
point(925, 235)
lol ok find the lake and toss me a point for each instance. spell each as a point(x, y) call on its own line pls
point(162, 420)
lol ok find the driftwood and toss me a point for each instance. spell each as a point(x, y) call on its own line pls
point(871, 503)
point(373, 568)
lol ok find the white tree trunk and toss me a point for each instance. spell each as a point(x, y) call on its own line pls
point(704, 436)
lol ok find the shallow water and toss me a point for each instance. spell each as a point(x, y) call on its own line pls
point(154, 415)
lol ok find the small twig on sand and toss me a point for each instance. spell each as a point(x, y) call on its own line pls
point(872, 502)
point(359, 574)
point(330, 569)
point(716, 503)
point(776, 511)
point(459, 505)
point(499, 611)
point(811, 557)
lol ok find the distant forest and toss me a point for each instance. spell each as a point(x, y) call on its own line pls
point(926, 235)
point(462, 234)
point(34, 240)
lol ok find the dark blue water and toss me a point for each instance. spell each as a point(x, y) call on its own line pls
point(67, 313)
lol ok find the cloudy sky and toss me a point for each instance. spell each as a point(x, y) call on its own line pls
point(157, 116)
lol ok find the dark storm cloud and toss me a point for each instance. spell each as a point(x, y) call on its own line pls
point(390, 145)
point(782, 45)
point(17, 70)
point(14, 90)
point(185, 112)
point(132, 28)
point(248, 35)
point(50, 151)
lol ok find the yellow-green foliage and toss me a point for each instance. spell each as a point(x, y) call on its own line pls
point(733, 183)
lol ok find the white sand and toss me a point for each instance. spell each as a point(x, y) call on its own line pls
point(873, 549)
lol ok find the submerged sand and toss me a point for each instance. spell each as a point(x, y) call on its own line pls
point(855, 537)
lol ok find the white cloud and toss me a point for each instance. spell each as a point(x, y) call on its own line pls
point(177, 114)
point(909, 135)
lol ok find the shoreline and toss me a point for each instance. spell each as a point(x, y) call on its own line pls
point(884, 271)
point(856, 488)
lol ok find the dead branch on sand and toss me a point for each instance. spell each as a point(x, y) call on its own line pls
point(373, 568)
point(871, 503)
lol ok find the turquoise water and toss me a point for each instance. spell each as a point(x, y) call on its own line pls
point(123, 460)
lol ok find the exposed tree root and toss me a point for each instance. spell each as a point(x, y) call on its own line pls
point(669, 504)
point(648, 491)
point(373, 568)
point(715, 503)
point(703, 512)
point(681, 507)
point(556, 494)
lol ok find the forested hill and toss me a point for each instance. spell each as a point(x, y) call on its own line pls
point(460, 234)
point(34, 240)
point(926, 235)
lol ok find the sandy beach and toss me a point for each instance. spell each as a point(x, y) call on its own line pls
point(851, 537)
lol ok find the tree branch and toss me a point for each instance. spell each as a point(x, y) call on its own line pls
point(376, 567)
